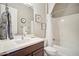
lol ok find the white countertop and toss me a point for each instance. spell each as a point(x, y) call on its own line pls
point(7, 46)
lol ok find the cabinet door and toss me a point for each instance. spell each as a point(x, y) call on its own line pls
point(30, 54)
point(39, 52)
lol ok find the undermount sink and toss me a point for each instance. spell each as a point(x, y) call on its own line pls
point(21, 41)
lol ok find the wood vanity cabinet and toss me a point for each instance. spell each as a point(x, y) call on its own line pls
point(33, 50)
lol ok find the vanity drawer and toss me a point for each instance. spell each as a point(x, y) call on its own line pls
point(27, 51)
point(39, 52)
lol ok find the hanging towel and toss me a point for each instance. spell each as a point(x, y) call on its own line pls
point(5, 25)
point(9, 25)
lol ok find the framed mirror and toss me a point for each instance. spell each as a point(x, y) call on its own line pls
point(38, 18)
point(23, 20)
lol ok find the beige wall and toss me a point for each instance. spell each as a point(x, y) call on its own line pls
point(40, 9)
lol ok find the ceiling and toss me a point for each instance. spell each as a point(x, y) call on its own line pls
point(64, 9)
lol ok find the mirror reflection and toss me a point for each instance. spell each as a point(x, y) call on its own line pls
point(22, 20)
point(21, 16)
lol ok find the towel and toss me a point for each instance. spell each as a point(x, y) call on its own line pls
point(5, 25)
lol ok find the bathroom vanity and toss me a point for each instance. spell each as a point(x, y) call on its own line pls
point(30, 48)
point(33, 50)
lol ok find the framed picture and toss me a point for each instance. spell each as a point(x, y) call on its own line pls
point(43, 26)
point(38, 18)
